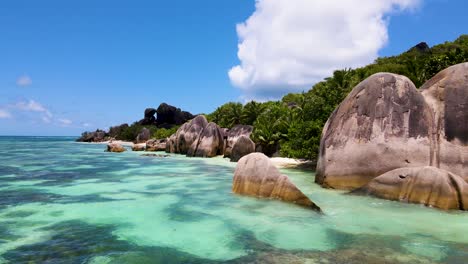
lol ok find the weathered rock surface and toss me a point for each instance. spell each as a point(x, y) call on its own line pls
point(243, 146)
point(233, 134)
point(188, 133)
point(139, 147)
point(209, 143)
point(96, 136)
point(115, 147)
point(423, 185)
point(168, 115)
point(149, 118)
point(447, 95)
point(256, 176)
point(382, 125)
point(156, 145)
point(144, 135)
point(171, 144)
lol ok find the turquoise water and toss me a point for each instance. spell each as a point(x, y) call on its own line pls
point(67, 202)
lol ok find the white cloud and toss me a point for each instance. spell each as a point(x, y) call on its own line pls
point(86, 124)
point(65, 122)
point(4, 114)
point(33, 106)
point(24, 81)
point(288, 45)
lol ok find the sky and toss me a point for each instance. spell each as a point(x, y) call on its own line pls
point(71, 66)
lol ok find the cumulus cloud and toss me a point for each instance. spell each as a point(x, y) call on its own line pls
point(24, 81)
point(288, 45)
point(4, 114)
point(33, 106)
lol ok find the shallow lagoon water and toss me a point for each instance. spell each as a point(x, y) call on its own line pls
point(67, 202)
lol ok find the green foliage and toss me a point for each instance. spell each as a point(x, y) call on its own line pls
point(161, 133)
point(251, 112)
point(227, 115)
point(271, 127)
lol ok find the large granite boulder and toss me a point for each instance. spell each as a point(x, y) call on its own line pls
point(209, 143)
point(143, 136)
point(382, 125)
point(243, 146)
point(171, 144)
point(96, 136)
point(156, 145)
point(188, 133)
point(447, 95)
point(233, 134)
point(423, 185)
point(115, 147)
point(168, 115)
point(149, 118)
point(255, 175)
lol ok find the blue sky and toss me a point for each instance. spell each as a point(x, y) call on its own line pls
point(68, 67)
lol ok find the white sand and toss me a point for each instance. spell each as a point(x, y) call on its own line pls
point(290, 163)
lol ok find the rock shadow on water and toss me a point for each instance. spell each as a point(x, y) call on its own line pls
point(80, 242)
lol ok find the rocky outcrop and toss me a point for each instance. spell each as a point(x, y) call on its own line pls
point(423, 185)
point(382, 125)
point(115, 147)
point(96, 136)
point(169, 116)
point(209, 143)
point(149, 118)
point(188, 133)
point(171, 144)
point(139, 147)
point(156, 145)
point(256, 176)
point(143, 136)
point(233, 134)
point(243, 146)
point(447, 95)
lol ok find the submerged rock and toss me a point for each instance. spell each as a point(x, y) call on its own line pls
point(256, 176)
point(115, 147)
point(243, 146)
point(382, 125)
point(423, 185)
point(447, 95)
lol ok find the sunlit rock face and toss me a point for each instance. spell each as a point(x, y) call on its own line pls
point(423, 185)
point(114, 147)
point(447, 95)
point(255, 175)
point(188, 133)
point(209, 142)
point(382, 125)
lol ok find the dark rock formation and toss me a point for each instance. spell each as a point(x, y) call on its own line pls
point(447, 95)
point(209, 143)
point(233, 135)
point(169, 116)
point(382, 125)
point(96, 136)
point(421, 47)
point(156, 145)
point(144, 135)
point(255, 175)
point(424, 185)
point(149, 118)
point(243, 146)
point(114, 147)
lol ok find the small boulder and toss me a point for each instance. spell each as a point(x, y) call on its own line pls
point(139, 147)
point(423, 185)
point(156, 145)
point(243, 146)
point(255, 175)
point(233, 134)
point(115, 147)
